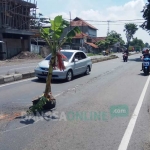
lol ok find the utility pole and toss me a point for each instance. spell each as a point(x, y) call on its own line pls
point(70, 26)
point(108, 27)
point(82, 35)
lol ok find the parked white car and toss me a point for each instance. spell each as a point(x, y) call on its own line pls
point(77, 63)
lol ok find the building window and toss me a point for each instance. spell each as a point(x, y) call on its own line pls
point(77, 40)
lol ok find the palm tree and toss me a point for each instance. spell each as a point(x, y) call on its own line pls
point(130, 29)
point(52, 36)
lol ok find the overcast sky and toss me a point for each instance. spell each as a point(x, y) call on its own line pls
point(98, 10)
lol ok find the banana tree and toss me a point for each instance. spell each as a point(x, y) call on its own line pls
point(52, 36)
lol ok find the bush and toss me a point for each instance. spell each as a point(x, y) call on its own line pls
point(90, 54)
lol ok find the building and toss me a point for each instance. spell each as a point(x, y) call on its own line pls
point(15, 17)
point(87, 39)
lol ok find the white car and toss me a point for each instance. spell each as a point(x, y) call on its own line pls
point(77, 63)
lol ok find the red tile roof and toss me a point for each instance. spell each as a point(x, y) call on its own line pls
point(92, 44)
point(79, 22)
point(80, 35)
point(96, 39)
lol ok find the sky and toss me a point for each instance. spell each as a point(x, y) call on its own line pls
point(95, 11)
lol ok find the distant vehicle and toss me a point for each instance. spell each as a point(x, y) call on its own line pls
point(131, 48)
point(77, 63)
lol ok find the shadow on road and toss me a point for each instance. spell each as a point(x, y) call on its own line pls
point(25, 121)
point(135, 59)
point(46, 115)
point(54, 81)
point(142, 74)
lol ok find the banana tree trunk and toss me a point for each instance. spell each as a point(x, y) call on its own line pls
point(49, 77)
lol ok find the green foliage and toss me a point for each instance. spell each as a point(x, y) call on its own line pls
point(112, 38)
point(130, 29)
point(38, 107)
point(146, 45)
point(91, 54)
point(53, 33)
point(146, 16)
point(116, 37)
point(137, 43)
point(102, 44)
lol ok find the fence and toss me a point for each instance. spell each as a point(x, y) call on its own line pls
point(35, 49)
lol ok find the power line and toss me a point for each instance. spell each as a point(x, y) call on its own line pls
point(116, 24)
point(110, 20)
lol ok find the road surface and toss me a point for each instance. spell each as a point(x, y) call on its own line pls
point(93, 112)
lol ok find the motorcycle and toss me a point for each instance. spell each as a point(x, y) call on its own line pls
point(146, 65)
point(125, 57)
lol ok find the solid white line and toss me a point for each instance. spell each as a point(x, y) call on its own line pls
point(127, 135)
point(24, 80)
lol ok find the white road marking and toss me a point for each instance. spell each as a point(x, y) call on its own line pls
point(25, 125)
point(128, 133)
point(18, 128)
point(17, 82)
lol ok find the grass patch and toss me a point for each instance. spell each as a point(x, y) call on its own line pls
point(92, 54)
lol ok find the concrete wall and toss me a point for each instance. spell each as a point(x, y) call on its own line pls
point(92, 32)
point(15, 46)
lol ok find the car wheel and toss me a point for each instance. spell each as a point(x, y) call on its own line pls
point(87, 72)
point(69, 75)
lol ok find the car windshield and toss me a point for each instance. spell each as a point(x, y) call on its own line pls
point(48, 57)
point(67, 54)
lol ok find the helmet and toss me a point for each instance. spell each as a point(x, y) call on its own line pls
point(147, 50)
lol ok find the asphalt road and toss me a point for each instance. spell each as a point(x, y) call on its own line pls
point(94, 111)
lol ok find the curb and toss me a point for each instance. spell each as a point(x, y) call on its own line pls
point(96, 60)
point(16, 77)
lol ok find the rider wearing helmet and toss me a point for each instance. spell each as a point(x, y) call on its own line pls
point(145, 55)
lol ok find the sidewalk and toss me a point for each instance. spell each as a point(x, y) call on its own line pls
point(15, 76)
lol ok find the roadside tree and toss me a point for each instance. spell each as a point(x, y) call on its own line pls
point(52, 36)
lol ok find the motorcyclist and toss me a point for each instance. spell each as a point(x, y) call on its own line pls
point(125, 53)
point(145, 55)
